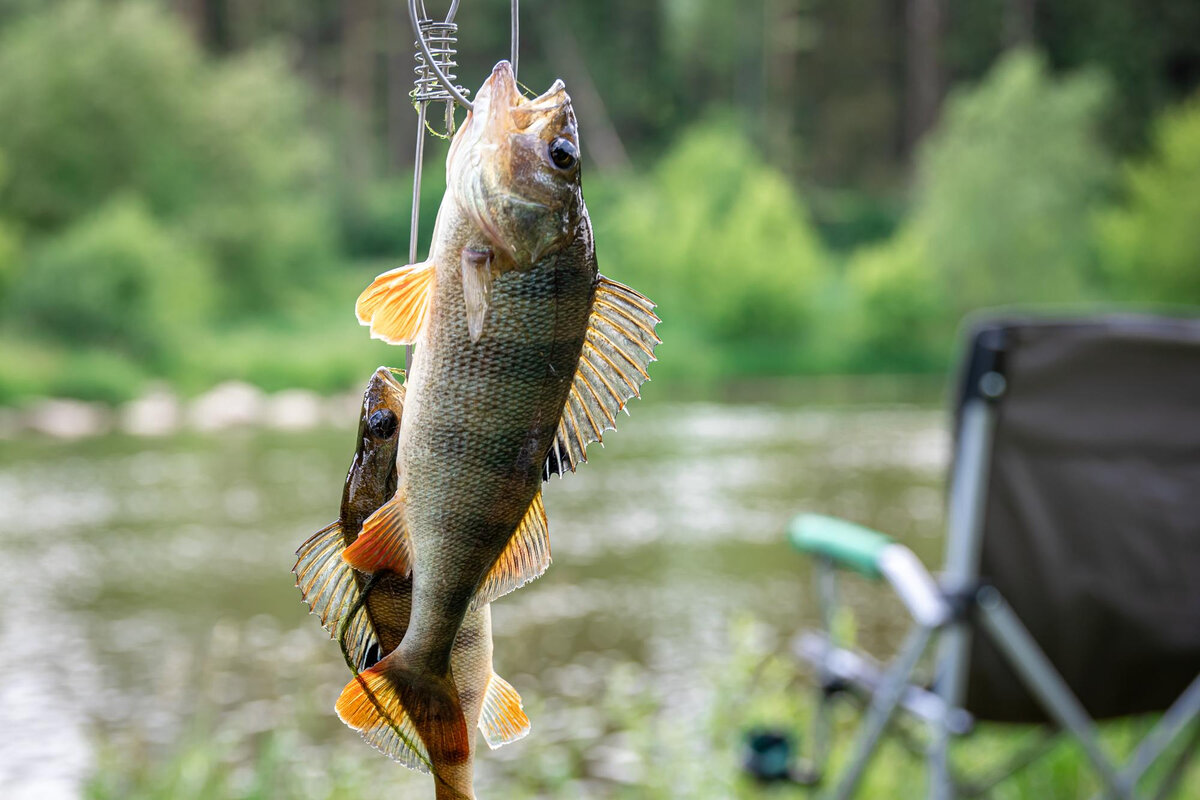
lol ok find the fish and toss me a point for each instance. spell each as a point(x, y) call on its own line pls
point(370, 614)
point(524, 355)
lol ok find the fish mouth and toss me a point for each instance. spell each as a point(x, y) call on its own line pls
point(505, 110)
point(383, 376)
point(492, 169)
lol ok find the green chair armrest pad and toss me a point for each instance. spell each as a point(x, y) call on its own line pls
point(846, 544)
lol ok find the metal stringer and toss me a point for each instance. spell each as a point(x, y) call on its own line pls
point(434, 53)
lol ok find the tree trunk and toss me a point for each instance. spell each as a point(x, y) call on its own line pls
point(358, 59)
point(1020, 22)
point(925, 83)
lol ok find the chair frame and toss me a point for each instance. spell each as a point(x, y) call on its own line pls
point(950, 611)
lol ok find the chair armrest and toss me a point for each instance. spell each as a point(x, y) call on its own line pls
point(846, 544)
point(876, 556)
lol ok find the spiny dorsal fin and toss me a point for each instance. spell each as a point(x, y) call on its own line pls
point(328, 586)
point(384, 542)
point(371, 705)
point(502, 720)
point(617, 348)
point(524, 558)
point(396, 304)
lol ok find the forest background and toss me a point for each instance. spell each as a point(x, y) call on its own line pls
point(195, 191)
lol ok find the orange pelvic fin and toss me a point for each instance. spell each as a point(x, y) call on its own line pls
point(524, 558)
point(384, 542)
point(502, 719)
point(617, 348)
point(413, 718)
point(396, 304)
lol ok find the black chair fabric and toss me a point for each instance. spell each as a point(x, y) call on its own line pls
point(1092, 522)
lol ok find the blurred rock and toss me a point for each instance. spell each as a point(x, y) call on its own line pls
point(342, 410)
point(10, 423)
point(293, 410)
point(227, 405)
point(157, 413)
point(69, 419)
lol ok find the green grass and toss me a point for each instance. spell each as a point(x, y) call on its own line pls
point(674, 752)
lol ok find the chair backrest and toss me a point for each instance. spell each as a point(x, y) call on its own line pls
point(1091, 529)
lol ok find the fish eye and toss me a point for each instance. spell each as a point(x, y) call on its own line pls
point(563, 153)
point(382, 423)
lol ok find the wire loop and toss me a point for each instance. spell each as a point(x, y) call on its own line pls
point(435, 57)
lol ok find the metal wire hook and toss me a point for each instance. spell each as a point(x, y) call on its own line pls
point(430, 61)
point(443, 35)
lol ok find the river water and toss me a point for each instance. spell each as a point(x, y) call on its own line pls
point(148, 600)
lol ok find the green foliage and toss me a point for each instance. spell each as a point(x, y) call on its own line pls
point(102, 100)
point(1151, 245)
point(721, 241)
point(1007, 186)
point(9, 247)
point(374, 218)
point(116, 279)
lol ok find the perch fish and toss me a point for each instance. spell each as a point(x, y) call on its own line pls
point(369, 615)
point(524, 356)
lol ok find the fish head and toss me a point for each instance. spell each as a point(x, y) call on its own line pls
point(372, 476)
point(514, 168)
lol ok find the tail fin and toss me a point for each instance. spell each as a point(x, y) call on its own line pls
point(412, 718)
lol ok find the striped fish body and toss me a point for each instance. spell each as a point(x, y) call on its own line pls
point(481, 418)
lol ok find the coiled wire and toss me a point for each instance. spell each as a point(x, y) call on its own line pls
point(440, 38)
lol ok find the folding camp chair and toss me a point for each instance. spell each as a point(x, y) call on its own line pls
point(1071, 589)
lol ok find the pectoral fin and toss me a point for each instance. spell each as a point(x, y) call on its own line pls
point(502, 719)
point(477, 288)
point(328, 586)
point(396, 304)
point(384, 542)
point(617, 348)
point(524, 558)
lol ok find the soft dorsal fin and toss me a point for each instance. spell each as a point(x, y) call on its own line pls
point(524, 558)
point(617, 348)
point(384, 542)
point(328, 586)
point(502, 719)
point(396, 304)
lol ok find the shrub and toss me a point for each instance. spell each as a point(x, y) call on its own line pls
point(1006, 189)
point(117, 280)
point(1150, 246)
point(106, 99)
point(720, 240)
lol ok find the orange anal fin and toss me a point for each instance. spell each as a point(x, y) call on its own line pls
point(383, 543)
point(526, 556)
point(502, 719)
point(396, 304)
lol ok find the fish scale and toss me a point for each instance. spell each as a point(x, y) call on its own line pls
point(500, 400)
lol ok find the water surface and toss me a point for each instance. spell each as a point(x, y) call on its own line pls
point(148, 596)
